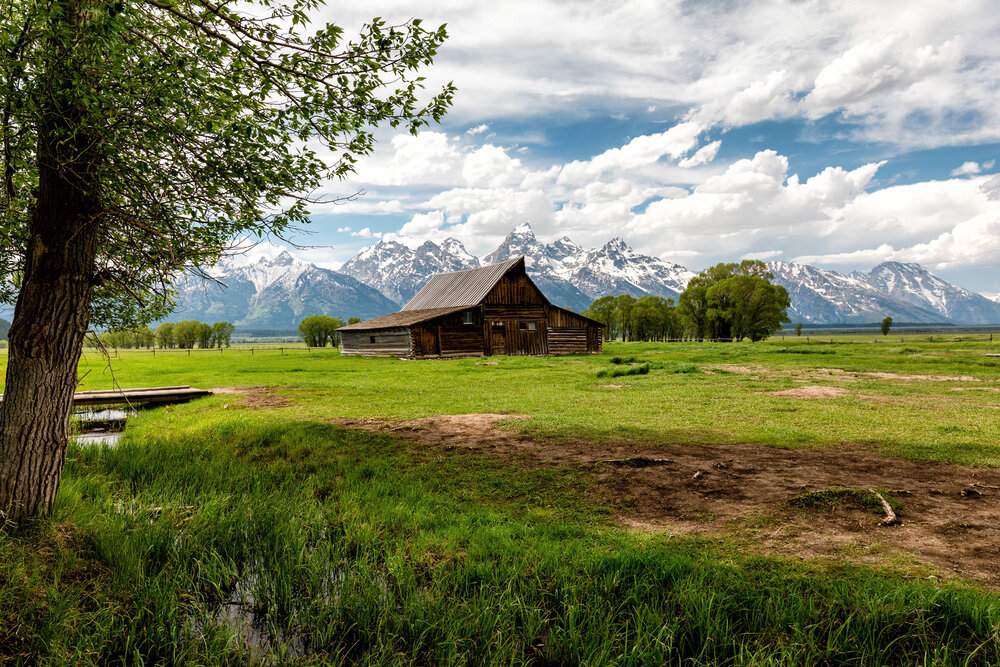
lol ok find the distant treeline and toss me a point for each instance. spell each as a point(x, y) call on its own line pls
point(185, 334)
point(725, 302)
point(4, 328)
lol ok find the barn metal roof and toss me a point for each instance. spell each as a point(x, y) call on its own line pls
point(460, 289)
point(403, 318)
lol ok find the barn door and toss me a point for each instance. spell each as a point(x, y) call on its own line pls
point(498, 341)
point(429, 343)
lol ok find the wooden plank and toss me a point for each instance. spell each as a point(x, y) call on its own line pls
point(176, 394)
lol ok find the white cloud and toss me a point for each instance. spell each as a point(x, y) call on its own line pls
point(478, 129)
point(639, 152)
point(967, 169)
point(490, 166)
point(341, 230)
point(704, 155)
point(367, 233)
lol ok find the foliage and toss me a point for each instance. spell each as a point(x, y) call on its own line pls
point(318, 330)
point(886, 325)
point(136, 337)
point(201, 123)
point(647, 318)
point(734, 301)
point(222, 332)
point(353, 320)
point(186, 333)
point(165, 335)
point(4, 328)
point(798, 328)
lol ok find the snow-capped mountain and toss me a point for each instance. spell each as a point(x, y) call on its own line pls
point(275, 294)
point(542, 265)
point(617, 269)
point(399, 272)
point(916, 285)
point(826, 297)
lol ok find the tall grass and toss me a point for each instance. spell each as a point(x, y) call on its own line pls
point(240, 537)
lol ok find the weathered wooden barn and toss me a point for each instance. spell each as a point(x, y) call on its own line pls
point(492, 310)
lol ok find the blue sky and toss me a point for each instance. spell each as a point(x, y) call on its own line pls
point(837, 133)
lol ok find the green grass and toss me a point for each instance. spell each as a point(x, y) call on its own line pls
point(348, 547)
point(335, 546)
point(676, 402)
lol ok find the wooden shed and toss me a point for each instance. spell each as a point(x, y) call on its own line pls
point(495, 309)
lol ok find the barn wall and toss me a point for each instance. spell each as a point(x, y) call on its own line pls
point(396, 342)
point(515, 289)
point(570, 333)
point(454, 338)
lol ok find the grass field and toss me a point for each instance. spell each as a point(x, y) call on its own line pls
point(257, 527)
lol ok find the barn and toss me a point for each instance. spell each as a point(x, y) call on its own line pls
point(492, 310)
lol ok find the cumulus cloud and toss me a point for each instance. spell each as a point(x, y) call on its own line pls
point(639, 152)
point(704, 155)
point(967, 169)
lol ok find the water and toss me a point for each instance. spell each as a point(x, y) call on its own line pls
point(103, 426)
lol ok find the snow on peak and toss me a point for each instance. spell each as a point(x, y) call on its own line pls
point(523, 229)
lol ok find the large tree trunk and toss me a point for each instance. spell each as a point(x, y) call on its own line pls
point(52, 312)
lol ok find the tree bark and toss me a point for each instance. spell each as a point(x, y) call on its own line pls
point(53, 308)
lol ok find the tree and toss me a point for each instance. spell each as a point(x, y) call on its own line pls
point(4, 328)
point(318, 330)
point(222, 332)
point(204, 333)
point(186, 333)
point(165, 335)
point(798, 328)
point(353, 320)
point(604, 311)
point(886, 325)
point(734, 301)
point(139, 139)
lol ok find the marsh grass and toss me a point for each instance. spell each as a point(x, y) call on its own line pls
point(341, 546)
point(336, 546)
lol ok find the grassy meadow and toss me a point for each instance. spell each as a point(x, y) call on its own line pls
point(232, 531)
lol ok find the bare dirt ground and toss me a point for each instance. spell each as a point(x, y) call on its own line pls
point(742, 492)
point(254, 397)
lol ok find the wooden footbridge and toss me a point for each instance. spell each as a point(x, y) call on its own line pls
point(138, 395)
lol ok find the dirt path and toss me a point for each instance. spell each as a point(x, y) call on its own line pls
point(949, 516)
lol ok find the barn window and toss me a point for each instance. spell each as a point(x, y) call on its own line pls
point(371, 339)
point(531, 326)
point(522, 326)
point(467, 317)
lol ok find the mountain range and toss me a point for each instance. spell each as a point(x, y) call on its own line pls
point(277, 293)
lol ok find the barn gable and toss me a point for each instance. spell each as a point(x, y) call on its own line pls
point(494, 309)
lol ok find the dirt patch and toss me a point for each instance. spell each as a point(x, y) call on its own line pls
point(610, 386)
point(487, 363)
point(997, 389)
point(925, 378)
point(744, 492)
point(809, 391)
point(255, 397)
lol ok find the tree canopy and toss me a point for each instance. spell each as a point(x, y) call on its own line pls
point(318, 330)
point(734, 301)
point(199, 122)
point(139, 138)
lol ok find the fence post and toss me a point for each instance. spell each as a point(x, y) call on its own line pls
point(251, 351)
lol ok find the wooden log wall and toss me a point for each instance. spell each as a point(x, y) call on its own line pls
point(515, 289)
point(396, 341)
point(454, 337)
point(565, 340)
